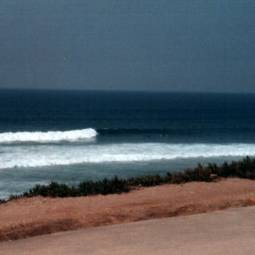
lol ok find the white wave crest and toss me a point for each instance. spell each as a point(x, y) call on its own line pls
point(47, 137)
point(49, 155)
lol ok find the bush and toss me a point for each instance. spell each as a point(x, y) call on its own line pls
point(241, 169)
point(87, 188)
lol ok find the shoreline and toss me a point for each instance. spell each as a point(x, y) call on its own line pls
point(202, 173)
point(27, 217)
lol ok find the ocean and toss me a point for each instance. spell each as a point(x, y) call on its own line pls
point(71, 136)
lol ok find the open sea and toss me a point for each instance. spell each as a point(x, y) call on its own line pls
point(74, 136)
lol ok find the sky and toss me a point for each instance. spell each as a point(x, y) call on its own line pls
point(163, 45)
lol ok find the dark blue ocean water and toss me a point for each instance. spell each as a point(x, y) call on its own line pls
point(119, 133)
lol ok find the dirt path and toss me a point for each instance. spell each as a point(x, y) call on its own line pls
point(219, 233)
point(36, 216)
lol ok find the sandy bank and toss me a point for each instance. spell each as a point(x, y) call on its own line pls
point(35, 216)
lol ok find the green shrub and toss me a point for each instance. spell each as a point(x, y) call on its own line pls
point(87, 188)
point(241, 169)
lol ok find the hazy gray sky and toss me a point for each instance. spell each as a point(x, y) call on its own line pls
point(185, 45)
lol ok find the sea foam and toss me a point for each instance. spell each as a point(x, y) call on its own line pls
point(52, 155)
point(47, 137)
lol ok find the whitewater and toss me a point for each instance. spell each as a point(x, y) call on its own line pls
point(47, 137)
point(45, 155)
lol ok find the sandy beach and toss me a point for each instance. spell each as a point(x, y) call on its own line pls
point(28, 217)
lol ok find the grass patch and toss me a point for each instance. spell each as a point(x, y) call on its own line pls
point(242, 169)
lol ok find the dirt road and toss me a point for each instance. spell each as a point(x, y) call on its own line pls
point(218, 233)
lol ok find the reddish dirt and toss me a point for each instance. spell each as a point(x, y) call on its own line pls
point(36, 216)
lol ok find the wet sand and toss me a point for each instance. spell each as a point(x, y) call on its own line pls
point(36, 216)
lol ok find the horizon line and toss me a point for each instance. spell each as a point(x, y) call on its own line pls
point(128, 91)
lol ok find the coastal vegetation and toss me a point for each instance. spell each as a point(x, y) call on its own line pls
point(244, 168)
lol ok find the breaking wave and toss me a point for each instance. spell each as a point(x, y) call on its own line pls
point(47, 137)
point(50, 155)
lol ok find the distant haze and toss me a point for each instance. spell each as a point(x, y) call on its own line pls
point(173, 45)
